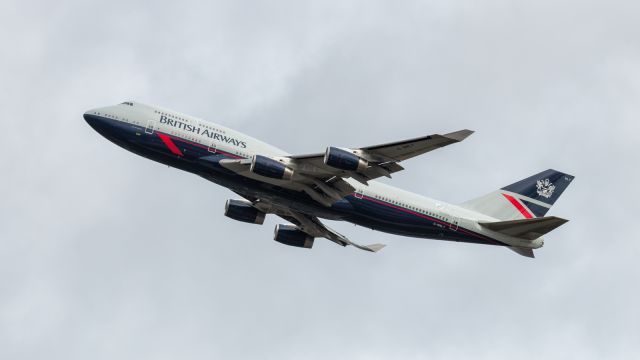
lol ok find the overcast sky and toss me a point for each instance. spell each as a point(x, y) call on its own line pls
point(106, 255)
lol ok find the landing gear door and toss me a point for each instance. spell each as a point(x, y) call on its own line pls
point(151, 126)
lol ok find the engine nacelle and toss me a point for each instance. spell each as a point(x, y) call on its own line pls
point(292, 236)
point(270, 168)
point(243, 211)
point(344, 160)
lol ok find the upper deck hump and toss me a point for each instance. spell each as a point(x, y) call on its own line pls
point(253, 144)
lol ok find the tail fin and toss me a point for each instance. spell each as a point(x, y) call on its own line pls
point(528, 198)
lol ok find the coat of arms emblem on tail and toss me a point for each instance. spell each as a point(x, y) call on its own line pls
point(545, 188)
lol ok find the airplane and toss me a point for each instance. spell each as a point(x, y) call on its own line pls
point(336, 184)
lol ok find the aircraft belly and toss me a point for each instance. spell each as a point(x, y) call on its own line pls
point(392, 219)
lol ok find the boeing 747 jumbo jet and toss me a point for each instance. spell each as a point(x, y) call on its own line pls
point(336, 184)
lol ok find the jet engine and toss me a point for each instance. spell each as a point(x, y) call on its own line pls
point(243, 211)
point(270, 168)
point(292, 236)
point(344, 160)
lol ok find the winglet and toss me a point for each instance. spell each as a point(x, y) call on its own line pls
point(375, 247)
point(372, 247)
point(527, 252)
point(344, 241)
point(459, 135)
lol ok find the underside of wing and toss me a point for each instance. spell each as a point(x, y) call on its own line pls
point(314, 227)
point(309, 224)
point(529, 229)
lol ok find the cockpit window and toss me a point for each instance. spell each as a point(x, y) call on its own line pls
point(127, 103)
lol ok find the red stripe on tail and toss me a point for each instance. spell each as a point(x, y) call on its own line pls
point(167, 141)
point(518, 206)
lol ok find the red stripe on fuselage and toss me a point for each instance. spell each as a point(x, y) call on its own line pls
point(518, 206)
point(172, 147)
point(199, 145)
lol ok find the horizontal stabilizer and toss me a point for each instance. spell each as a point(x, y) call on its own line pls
point(529, 229)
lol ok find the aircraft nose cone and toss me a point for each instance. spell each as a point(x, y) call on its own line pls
point(88, 117)
point(97, 122)
point(92, 119)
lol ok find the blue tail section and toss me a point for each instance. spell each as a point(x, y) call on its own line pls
point(528, 198)
point(546, 186)
point(537, 210)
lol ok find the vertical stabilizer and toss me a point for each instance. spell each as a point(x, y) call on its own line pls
point(525, 199)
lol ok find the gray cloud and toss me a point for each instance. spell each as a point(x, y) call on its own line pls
point(105, 254)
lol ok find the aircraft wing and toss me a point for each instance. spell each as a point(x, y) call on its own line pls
point(404, 149)
point(322, 175)
point(310, 224)
point(382, 160)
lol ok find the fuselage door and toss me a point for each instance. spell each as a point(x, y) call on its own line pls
point(454, 221)
point(212, 146)
point(151, 125)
